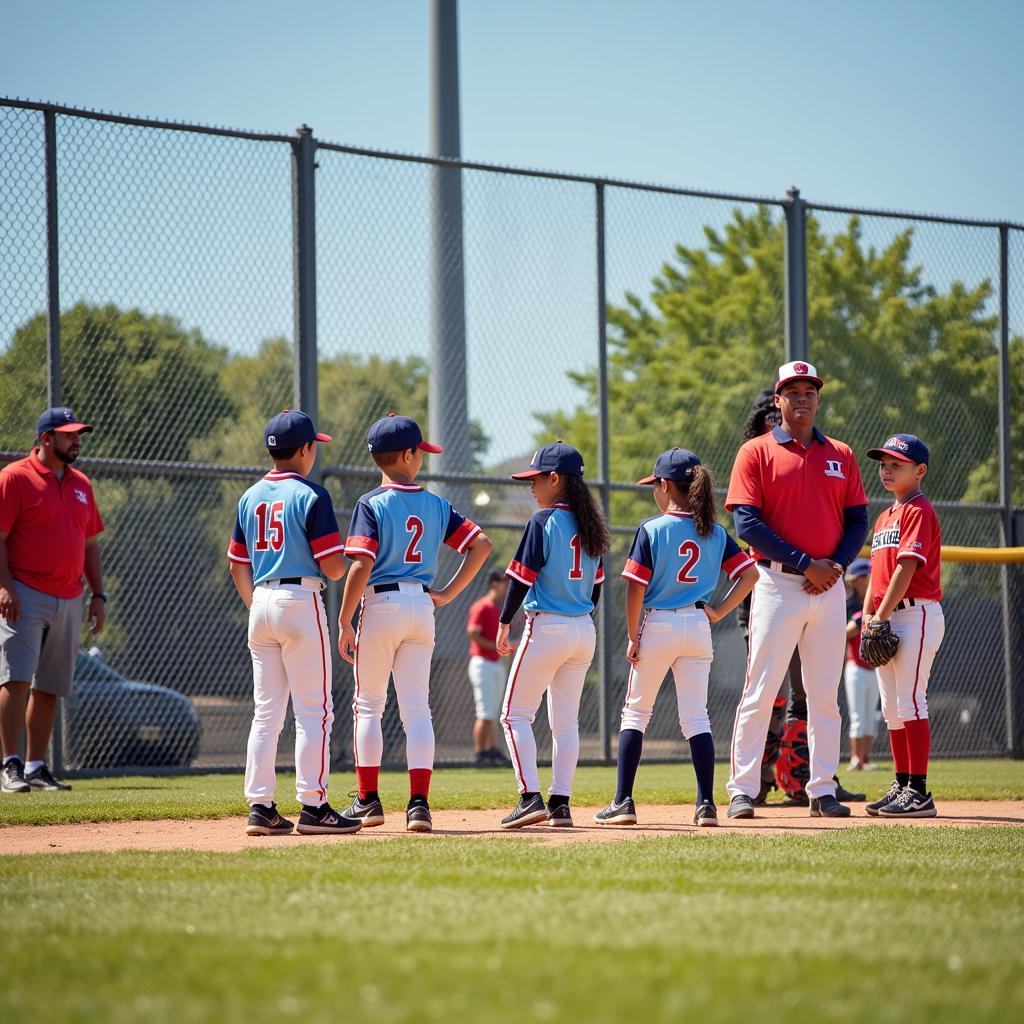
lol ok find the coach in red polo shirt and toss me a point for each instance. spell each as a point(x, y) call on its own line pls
point(798, 501)
point(50, 527)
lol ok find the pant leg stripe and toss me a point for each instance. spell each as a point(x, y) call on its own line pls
point(323, 723)
point(520, 658)
point(746, 685)
point(355, 694)
point(917, 671)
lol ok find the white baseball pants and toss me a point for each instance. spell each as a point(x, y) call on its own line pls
point(290, 647)
point(784, 616)
point(554, 654)
point(395, 637)
point(861, 699)
point(680, 640)
point(903, 683)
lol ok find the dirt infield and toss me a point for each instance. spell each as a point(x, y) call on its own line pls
point(227, 835)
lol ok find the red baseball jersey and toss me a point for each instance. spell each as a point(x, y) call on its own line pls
point(910, 530)
point(483, 617)
point(802, 492)
point(47, 522)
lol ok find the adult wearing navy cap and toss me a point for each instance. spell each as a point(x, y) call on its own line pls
point(49, 529)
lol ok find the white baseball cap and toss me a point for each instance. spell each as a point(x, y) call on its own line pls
point(797, 370)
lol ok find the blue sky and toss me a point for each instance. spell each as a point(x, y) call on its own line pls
point(914, 105)
point(910, 106)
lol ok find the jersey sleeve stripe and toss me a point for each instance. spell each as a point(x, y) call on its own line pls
point(238, 552)
point(911, 554)
point(637, 572)
point(520, 572)
point(326, 545)
point(461, 537)
point(361, 546)
point(599, 578)
point(735, 565)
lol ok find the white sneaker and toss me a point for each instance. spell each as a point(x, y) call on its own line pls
point(855, 764)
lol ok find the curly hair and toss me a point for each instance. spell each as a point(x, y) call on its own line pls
point(763, 406)
point(594, 536)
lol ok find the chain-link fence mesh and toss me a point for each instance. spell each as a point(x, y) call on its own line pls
point(176, 338)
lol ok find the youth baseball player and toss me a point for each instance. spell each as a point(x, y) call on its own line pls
point(394, 539)
point(672, 571)
point(556, 575)
point(903, 619)
point(285, 543)
point(797, 499)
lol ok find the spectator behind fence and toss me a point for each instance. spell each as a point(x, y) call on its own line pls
point(50, 528)
point(859, 677)
point(486, 672)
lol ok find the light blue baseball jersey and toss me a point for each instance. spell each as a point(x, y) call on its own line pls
point(677, 565)
point(551, 561)
point(284, 525)
point(402, 527)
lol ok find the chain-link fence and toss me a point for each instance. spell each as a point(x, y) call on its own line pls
point(177, 285)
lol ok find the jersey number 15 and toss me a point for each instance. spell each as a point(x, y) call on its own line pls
point(269, 528)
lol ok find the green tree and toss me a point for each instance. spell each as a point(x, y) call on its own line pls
point(897, 354)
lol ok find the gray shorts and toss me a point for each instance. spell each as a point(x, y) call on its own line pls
point(41, 646)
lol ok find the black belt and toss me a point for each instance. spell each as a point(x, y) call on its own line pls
point(295, 580)
point(904, 605)
point(787, 569)
point(390, 588)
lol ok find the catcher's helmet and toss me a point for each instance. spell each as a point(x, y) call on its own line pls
point(793, 767)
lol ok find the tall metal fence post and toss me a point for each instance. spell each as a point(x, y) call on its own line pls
point(448, 411)
point(1013, 616)
point(605, 657)
point(304, 270)
point(796, 276)
point(53, 381)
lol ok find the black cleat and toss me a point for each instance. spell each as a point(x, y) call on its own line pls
point(326, 821)
point(909, 804)
point(706, 814)
point(530, 811)
point(876, 805)
point(741, 806)
point(42, 779)
point(842, 793)
point(828, 807)
point(266, 821)
point(371, 813)
point(623, 813)
point(417, 816)
point(12, 777)
point(560, 816)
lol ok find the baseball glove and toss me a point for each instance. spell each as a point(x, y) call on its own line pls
point(878, 644)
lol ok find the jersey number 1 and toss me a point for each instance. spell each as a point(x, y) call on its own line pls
point(414, 526)
point(576, 572)
point(690, 550)
point(269, 528)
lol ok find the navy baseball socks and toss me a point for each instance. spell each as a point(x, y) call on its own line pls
point(702, 753)
point(631, 745)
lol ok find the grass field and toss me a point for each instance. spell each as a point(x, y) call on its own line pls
point(867, 924)
point(212, 796)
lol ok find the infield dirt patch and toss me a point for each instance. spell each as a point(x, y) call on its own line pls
point(227, 835)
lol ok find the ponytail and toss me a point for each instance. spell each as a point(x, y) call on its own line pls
point(593, 531)
point(698, 498)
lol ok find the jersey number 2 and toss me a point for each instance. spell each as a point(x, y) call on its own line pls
point(576, 572)
point(691, 552)
point(415, 527)
point(269, 528)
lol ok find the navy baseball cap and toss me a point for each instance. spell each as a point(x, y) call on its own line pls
point(858, 567)
point(557, 457)
point(289, 429)
point(907, 447)
point(61, 419)
point(797, 370)
point(396, 434)
point(675, 464)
